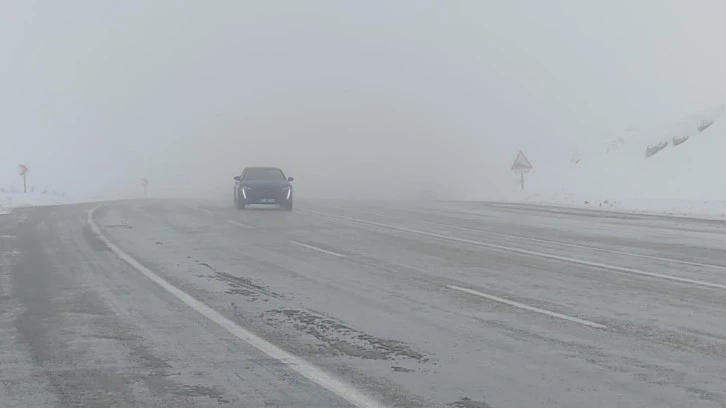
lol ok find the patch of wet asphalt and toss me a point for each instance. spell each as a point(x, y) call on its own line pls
point(342, 339)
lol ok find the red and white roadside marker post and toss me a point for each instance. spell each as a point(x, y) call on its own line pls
point(521, 165)
point(24, 169)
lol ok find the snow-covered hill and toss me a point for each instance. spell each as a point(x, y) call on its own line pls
point(678, 168)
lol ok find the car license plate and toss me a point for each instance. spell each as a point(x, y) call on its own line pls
point(268, 201)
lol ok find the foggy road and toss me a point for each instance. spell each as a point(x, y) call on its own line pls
point(343, 304)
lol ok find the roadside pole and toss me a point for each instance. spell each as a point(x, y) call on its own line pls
point(521, 165)
point(24, 169)
point(522, 175)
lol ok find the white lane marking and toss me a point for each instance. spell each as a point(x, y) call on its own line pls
point(571, 245)
point(194, 207)
point(8, 236)
point(207, 211)
point(321, 250)
point(530, 253)
point(241, 224)
point(527, 307)
point(307, 370)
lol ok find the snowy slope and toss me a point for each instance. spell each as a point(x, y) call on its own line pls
point(686, 177)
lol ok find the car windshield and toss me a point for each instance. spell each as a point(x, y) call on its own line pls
point(263, 174)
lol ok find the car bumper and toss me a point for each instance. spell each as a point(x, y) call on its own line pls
point(253, 197)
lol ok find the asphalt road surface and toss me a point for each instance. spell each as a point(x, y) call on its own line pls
point(339, 304)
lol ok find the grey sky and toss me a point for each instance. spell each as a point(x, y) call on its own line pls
point(373, 96)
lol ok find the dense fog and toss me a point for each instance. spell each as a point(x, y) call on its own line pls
point(355, 99)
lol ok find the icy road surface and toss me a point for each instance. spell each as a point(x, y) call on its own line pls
point(462, 305)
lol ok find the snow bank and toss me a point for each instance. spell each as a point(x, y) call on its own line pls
point(8, 201)
point(678, 169)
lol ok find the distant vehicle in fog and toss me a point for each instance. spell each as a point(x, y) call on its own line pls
point(263, 185)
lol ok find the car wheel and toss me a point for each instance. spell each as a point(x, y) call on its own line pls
point(240, 204)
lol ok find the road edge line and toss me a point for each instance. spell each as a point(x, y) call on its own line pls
point(580, 246)
point(520, 251)
point(297, 364)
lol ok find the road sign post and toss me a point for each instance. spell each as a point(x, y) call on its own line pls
point(521, 165)
point(145, 183)
point(24, 169)
point(522, 181)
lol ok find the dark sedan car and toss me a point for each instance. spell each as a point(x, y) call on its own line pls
point(263, 185)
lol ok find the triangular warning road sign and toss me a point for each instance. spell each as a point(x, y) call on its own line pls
point(521, 162)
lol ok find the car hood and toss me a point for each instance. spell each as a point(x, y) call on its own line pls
point(265, 183)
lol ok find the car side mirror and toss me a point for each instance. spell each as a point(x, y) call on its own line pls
point(236, 178)
point(291, 179)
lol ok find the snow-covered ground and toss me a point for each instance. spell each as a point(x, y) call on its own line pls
point(8, 201)
point(687, 177)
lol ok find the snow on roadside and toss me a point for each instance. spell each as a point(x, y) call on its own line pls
point(9, 201)
point(686, 178)
point(715, 210)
